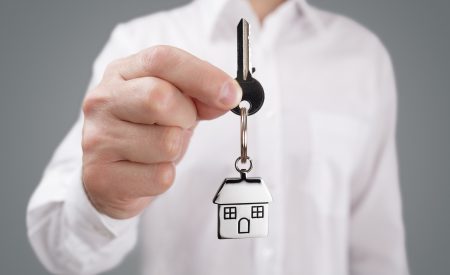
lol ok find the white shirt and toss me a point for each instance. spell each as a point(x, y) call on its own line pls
point(324, 142)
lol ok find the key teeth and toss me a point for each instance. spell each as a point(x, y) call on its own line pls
point(243, 49)
point(253, 92)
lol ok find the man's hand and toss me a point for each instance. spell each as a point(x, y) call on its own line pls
point(138, 122)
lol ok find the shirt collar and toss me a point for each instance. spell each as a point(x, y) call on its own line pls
point(214, 9)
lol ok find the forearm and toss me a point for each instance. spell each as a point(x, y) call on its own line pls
point(68, 235)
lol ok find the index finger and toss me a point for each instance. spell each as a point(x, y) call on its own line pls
point(215, 89)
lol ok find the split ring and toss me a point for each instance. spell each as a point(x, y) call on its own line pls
point(244, 155)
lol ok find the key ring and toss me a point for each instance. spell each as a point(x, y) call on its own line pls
point(244, 155)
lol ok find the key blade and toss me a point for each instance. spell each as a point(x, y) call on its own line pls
point(243, 49)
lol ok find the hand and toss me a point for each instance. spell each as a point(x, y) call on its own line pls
point(138, 122)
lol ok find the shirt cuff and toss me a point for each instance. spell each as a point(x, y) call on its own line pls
point(82, 214)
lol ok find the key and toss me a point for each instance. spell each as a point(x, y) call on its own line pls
point(243, 203)
point(253, 91)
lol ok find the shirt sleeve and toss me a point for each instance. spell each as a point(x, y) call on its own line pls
point(377, 240)
point(67, 233)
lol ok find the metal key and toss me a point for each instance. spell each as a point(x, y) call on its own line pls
point(252, 90)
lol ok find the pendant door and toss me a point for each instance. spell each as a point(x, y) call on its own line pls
point(244, 226)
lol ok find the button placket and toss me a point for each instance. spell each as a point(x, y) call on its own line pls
point(268, 132)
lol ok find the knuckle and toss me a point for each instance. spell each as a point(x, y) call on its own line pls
point(93, 179)
point(191, 117)
point(153, 59)
point(93, 102)
point(172, 142)
point(112, 66)
point(92, 139)
point(159, 99)
point(164, 176)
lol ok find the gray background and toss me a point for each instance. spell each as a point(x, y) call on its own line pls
point(47, 48)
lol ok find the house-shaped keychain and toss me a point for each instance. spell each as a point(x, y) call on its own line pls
point(242, 208)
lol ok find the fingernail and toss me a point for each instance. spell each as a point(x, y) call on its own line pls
point(230, 94)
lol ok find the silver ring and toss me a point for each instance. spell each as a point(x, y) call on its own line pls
point(243, 156)
point(243, 170)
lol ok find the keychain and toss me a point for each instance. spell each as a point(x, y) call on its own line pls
point(243, 202)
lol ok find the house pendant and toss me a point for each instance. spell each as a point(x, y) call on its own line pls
point(243, 210)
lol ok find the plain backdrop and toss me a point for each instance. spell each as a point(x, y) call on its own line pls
point(46, 51)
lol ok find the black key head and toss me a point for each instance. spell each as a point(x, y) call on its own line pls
point(253, 93)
